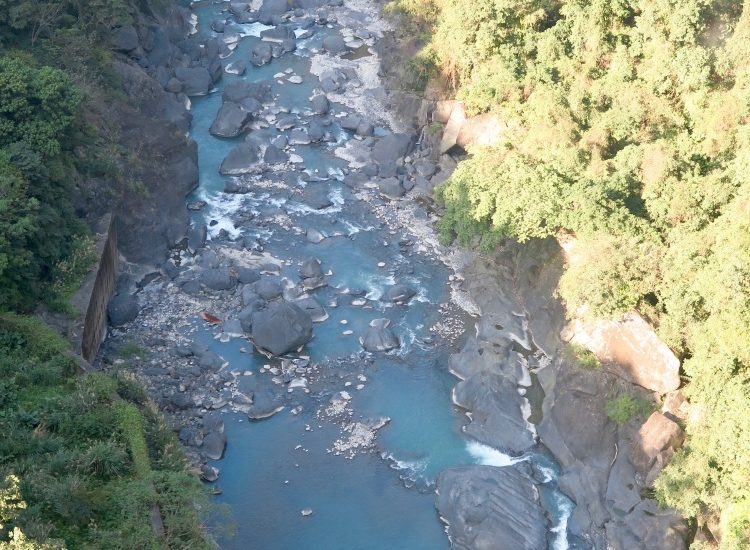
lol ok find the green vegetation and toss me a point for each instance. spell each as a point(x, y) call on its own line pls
point(82, 465)
point(629, 131)
point(583, 357)
point(624, 407)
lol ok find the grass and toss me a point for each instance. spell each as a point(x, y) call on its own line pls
point(624, 407)
point(582, 357)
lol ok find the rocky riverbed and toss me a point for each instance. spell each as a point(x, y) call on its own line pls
point(306, 334)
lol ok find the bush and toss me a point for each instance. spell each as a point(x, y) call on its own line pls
point(624, 407)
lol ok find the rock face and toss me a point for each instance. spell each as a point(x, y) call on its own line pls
point(655, 443)
point(630, 349)
point(489, 508)
point(462, 131)
point(281, 328)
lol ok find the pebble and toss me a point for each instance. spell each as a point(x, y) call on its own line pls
point(306, 512)
point(348, 332)
point(344, 321)
point(295, 79)
point(381, 264)
point(360, 386)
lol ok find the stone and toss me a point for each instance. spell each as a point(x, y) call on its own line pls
point(313, 308)
point(242, 159)
point(491, 508)
point(391, 188)
point(231, 120)
point(195, 80)
point(315, 195)
point(320, 105)
point(630, 349)
point(240, 90)
point(238, 67)
point(334, 45)
point(246, 275)
point(122, 309)
point(398, 293)
point(311, 268)
point(268, 288)
point(218, 279)
point(281, 328)
point(124, 39)
point(392, 147)
point(274, 155)
point(379, 337)
point(218, 25)
point(214, 444)
point(209, 473)
point(657, 435)
point(261, 54)
point(648, 526)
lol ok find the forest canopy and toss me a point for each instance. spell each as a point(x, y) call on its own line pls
point(629, 131)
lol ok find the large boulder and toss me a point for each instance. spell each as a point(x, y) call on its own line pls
point(124, 39)
point(122, 309)
point(261, 54)
point(392, 147)
point(281, 328)
point(214, 445)
point(630, 349)
point(231, 120)
point(243, 159)
point(490, 508)
point(272, 9)
point(655, 443)
point(239, 91)
point(379, 337)
point(398, 294)
point(334, 44)
point(195, 80)
point(648, 526)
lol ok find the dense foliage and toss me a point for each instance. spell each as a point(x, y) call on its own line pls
point(83, 458)
point(628, 128)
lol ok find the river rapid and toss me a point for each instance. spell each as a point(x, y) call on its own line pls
point(351, 442)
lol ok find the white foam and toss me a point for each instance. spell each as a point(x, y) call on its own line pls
point(486, 455)
point(253, 29)
point(560, 531)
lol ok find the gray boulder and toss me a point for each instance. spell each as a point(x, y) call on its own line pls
point(268, 288)
point(315, 195)
point(334, 44)
point(311, 268)
point(195, 80)
point(392, 147)
point(122, 309)
point(239, 91)
point(218, 279)
point(490, 508)
point(379, 337)
point(214, 445)
point(242, 159)
point(124, 39)
point(274, 155)
point(281, 328)
point(261, 54)
point(231, 120)
point(320, 105)
point(196, 238)
point(313, 308)
point(398, 293)
point(391, 188)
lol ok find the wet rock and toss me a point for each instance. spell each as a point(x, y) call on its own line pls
point(490, 508)
point(209, 473)
point(274, 155)
point(313, 308)
point(214, 445)
point(195, 80)
point(231, 120)
point(315, 195)
point(496, 417)
point(218, 25)
point(271, 9)
point(122, 309)
point(334, 45)
point(238, 67)
point(239, 91)
point(266, 403)
point(315, 236)
point(281, 328)
point(246, 275)
point(277, 34)
point(311, 268)
point(648, 526)
point(379, 337)
point(261, 54)
point(299, 136)
point(320, 105)
point(398, 293)
point(181, 401)
point(242, 159)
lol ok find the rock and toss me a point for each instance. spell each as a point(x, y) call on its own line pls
point(306, 512)
point(268, 288)
point(496, 417)
point(379, 337)
point(181, 401)
point(658, 435)
point(238, 67)
point(242, 159)
point(265, 404)
point(281, 328)
point(320, 105)
point(173, 85)
point(274, 155)
point(334, 45)
point(124, 39)
point(196, 238)
point(271, 9)
point(315, 195)
point(311, 268)
point(240, 90)
point(398, 293)
point(315, 236)
point(630, 349)
point(231, 120)
point(195, 80)
point(648, 526)
point(214, 445)
point(391, 188)
point(350, 122)
point(209, 473)
point(122, 309)
point(299, 136)
point(246, 275)
point(218, 279)
point(490, 508)
point(261, 54)
point(313, 308)
point(365, 129)
point(218, 25)
point(392, 147)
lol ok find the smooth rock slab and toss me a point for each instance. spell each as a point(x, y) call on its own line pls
point(490, 508)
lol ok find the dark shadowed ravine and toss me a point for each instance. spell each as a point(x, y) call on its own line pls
point(334, 446)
